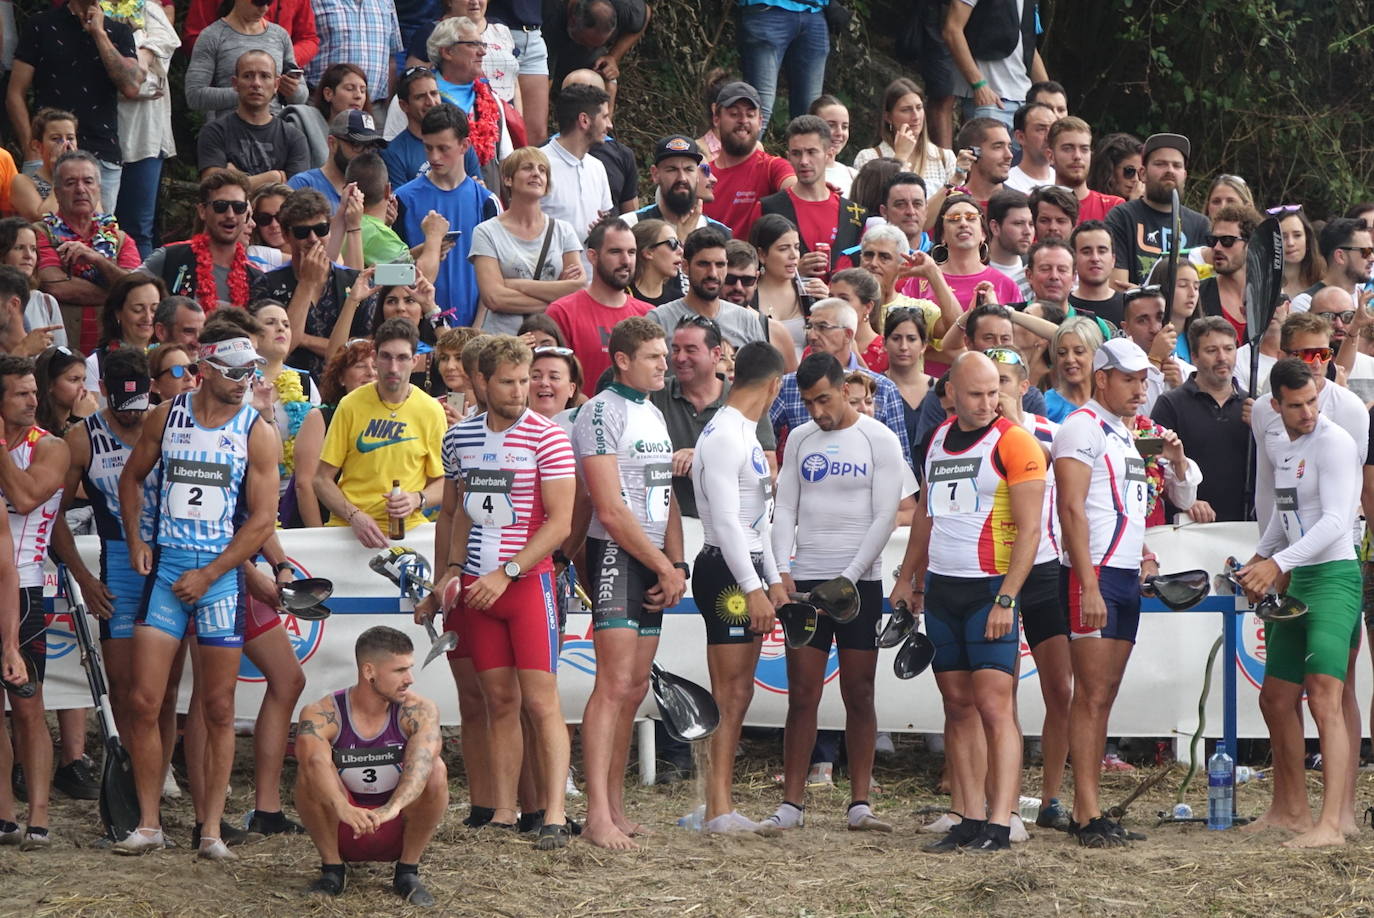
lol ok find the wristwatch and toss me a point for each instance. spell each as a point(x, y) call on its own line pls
point(1005, 601)
point(511, 569)
point(284, 566)
point(682, 566)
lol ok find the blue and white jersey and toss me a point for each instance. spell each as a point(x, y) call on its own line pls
point(201, 497)
point(101, 478)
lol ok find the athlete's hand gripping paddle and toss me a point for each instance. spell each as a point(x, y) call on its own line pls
point(900, 624)
point(119, 809)
point(406, 568)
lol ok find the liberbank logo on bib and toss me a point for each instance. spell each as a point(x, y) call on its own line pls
point(818, 466)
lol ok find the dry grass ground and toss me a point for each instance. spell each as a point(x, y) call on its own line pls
point(820, 870)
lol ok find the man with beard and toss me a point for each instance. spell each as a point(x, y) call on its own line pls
point(827, 223)
point(745, 172)
point(704, 258)
point(350, 133)
point(1333, 304)
point(1209, 408)
point(1345, 243)
point(587, 316)
point(1070, 148)
point(676, 171)
point(579, 189)
point(1091, 242)
point(250, 139)
point(1141, 228)
point(218, 252)
point(1011, 230)
point(1223, 294)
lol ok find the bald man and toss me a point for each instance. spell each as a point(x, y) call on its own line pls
point(621, 170)
point(973, 547)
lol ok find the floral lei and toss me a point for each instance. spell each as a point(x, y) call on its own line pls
point(206, 289)
point(296, 406)
point(484, 124)
point(1154, 469)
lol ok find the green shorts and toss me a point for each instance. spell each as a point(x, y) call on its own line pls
point(1318, 643)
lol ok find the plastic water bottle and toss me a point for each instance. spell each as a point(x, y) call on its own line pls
point(1221, 786)
point(1245, 774)
point(1029, 808)
point(1183, 811)
point(694, 820)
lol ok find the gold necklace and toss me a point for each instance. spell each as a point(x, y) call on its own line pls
point(388, 406)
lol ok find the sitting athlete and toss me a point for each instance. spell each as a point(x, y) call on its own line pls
point(371, 783)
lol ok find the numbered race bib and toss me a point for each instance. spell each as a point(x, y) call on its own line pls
point(954, 486)
point(658, 488)
point(1286, 502)
point(370, 771)
point(1137, 496)
point(766, 499)
point(486, 498)
point(196, 490)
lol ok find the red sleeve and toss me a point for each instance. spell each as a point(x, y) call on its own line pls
point(558, 312)
point(305, 41)
point(47, 255)
point(779, 170)
point(128, 256)
point(200, 15)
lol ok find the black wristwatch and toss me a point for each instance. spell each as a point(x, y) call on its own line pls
point(1005, 601)
point(283, 565)
point(682, 566)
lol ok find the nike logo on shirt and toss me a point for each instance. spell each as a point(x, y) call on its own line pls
point(365, 447)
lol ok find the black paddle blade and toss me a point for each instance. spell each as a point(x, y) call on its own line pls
point(1175, 251)
point(1179, 591)
point(838, 598)
point(899, 625)
point(914, 657)
point(688, 710)
point(118, 795)
point(1263, 278)
point(314, 613)
point(1275, 608)
point(798, 623)
point(305, 594)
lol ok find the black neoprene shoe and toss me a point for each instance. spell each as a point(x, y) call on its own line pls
point(409, 887)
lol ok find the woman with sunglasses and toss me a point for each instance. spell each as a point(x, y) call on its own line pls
point(1303, 264)
point(242, 27)
point(350, 368)
point(1116, 167)
point(267, 247)
point(126, 320)
point(658, 274)
point(42, 319)
point(1071, 360)
point(174, 370)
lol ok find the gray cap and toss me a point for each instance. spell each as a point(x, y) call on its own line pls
point(1166, 141)
point(738, 91)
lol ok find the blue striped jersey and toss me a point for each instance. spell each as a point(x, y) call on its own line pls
point(202, 498)
point(101, 478)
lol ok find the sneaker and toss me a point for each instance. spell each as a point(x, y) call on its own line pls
point(943, 824)
point(10, 833)
point(328, 883)
point(1018, 833)
point(957, 837)
point(272, 824)
point(140, 841)
point(570, 788)
point(1098, 833)
point(1124, 832)
point(1113, 762)
point(214, 849)
point(78, 779)
point(786, 817)
point(35, 839)
point(171, 790)
point(1053, 816)
point(822, 775)
point(410, 888)
point(991, 838)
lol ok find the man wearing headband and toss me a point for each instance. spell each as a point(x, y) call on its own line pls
point(216, 505)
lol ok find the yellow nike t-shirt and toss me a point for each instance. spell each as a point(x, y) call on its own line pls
point(372, 445)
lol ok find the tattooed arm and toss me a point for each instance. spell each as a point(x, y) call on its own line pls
point(315, 735)
point(420, 721)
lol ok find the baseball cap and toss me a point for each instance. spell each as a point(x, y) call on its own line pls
point(1120, 354)
point(235, 352)
point(1166, 141)
point(127, 393)
point(734, 92)
point(676, 145)
point(356, 127)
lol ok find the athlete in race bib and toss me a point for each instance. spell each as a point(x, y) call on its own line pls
point(216, 465)
point(634, 554)
point(836, 506)
point(735, 580)
point(32, 463)
point(371, 783)
point(1316, 493)
point(984, 499)
point(1103, 498)
point(510, 489)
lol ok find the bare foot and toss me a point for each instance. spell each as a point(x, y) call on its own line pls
point(1322, 836)
point(607, 836)
point(1273, 819)
point(630, 828)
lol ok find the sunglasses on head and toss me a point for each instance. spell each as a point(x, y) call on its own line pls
point(743, 280)
point(181, 370)
point(220, 207)
point(554, 350)
point(1003, 355)
point(411, 71)
point(1146, 290)
point(1284, 209)
point(302, 232)
point(699, 322)
point(233, 374)
point(1225, 241)
point(1312, 354)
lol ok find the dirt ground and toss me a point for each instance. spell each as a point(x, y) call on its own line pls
point(819, 870)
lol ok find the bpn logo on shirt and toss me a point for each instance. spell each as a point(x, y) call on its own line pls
point(818, 466)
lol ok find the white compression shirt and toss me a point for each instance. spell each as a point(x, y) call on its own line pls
point(836, 501)
point(621, 422)
point(1338, 404)
point(735, 495)
point(1316, 497)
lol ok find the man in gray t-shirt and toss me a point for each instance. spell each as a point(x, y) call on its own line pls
point(704, 256)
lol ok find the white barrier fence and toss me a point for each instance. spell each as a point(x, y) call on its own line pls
point(1158, 697)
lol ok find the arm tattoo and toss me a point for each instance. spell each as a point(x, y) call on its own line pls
point(307, 728)
point(422, 725)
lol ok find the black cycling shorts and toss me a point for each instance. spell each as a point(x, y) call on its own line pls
point(859, 634)
point(1042, 610)
point(618, 583)
point(719, 599)
point(33, 629)
point(957, 610)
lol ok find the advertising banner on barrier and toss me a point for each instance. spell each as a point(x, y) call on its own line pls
point(1158, 697)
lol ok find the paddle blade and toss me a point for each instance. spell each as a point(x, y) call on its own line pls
point(899, 625)
point(446, 642)
point(1181, 591)
point(305, 594)
point(798, 623)
point(914, 657)
point(838, 598)
point(314, 613)
point(689, 712)
point(1263, 278)
point(118, 795)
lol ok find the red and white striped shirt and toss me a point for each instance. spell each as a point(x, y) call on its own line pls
point(501, 473)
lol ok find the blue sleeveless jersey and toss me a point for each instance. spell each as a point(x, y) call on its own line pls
point(101, 478)
point(202, 500)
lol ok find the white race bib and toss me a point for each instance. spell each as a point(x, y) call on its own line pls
point(954, 486)
point(486, 498)
point(658, 490)
point(197, 490)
